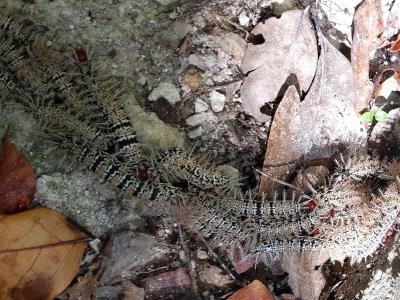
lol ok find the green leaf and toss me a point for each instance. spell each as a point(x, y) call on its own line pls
point(380, 115)
point(367, 116)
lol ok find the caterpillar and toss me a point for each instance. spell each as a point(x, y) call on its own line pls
point(81, 108)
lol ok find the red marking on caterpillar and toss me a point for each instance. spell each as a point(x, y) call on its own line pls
point(388, 236)
point(143, 175)
point(81, 55)
point(330, 214)
point(311, 205)
point(315, 231)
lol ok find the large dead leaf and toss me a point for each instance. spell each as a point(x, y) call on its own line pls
point(368, 24)
point(17, 179)
point(311, 129)
point(39, 254)
point(254, 291)
point(285, 46)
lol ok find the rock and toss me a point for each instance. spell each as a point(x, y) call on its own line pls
point(166, 90)
point(281, 6)
point(196, 133)
point(130, 253)
point(80, 198)
point(200, 105)
point(234, 45)
point(217, 101)
point(201, 118)
point(212, 275)
point(203, 62)
point(201, 254)
point(173, 36)
point(108, 293)
point(193, 80)
point(170, 285)
point(244, 20)
point(131, 291)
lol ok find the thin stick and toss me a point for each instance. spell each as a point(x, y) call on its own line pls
point(56, 244)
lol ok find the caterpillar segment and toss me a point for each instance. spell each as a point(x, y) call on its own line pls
point(178, 164)
point(361, 167)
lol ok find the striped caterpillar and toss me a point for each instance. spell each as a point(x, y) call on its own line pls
point(82, 110)
point(53, 86)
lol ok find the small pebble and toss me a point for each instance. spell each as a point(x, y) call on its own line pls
point(166, 90)
point(217, 101)
point(196, 133)
point(200, 105)
point(201, 118)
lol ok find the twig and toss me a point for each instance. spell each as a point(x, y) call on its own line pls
point(56, 244)
point(192, 272)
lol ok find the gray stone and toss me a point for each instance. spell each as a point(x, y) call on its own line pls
point(200, 105)
point(217, 101)
point(203, 62)
point(175, 34)
point(108, 293)
point(195, 133)
point(244, 20)
point(166, 90)
point(130, 253)
point(201, 118)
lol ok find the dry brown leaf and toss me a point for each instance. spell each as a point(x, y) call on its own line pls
point(393, 20)
point(289, 47)
point(368, 24)
point(39, 254)
point(395, 45)
point(314, 128)
point(305, 276)
point(388, 86)
point(17, 179)
point(254, 291)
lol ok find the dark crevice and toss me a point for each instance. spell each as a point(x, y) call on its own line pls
point(257, 39)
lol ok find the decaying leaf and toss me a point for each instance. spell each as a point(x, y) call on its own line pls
point(17, 179)
point(254, 291)
point(281, 47)
point(314, 128)
point(39, 254)
point(368, 24)
point(388, 86)
point(305, 278)
point(393, 21)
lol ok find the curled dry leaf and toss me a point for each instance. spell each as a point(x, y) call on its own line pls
point(39, 254)
point(314, 128)
point(17, 179)
point(254, 291)
point(368, 24)
point(281, 47)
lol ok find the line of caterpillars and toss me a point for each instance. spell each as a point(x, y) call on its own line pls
point(81, 110)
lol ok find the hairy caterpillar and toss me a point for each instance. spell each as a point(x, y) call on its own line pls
point(82, 109)
point(87, 93)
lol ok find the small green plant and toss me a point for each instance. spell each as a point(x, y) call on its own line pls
point(369, 116)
